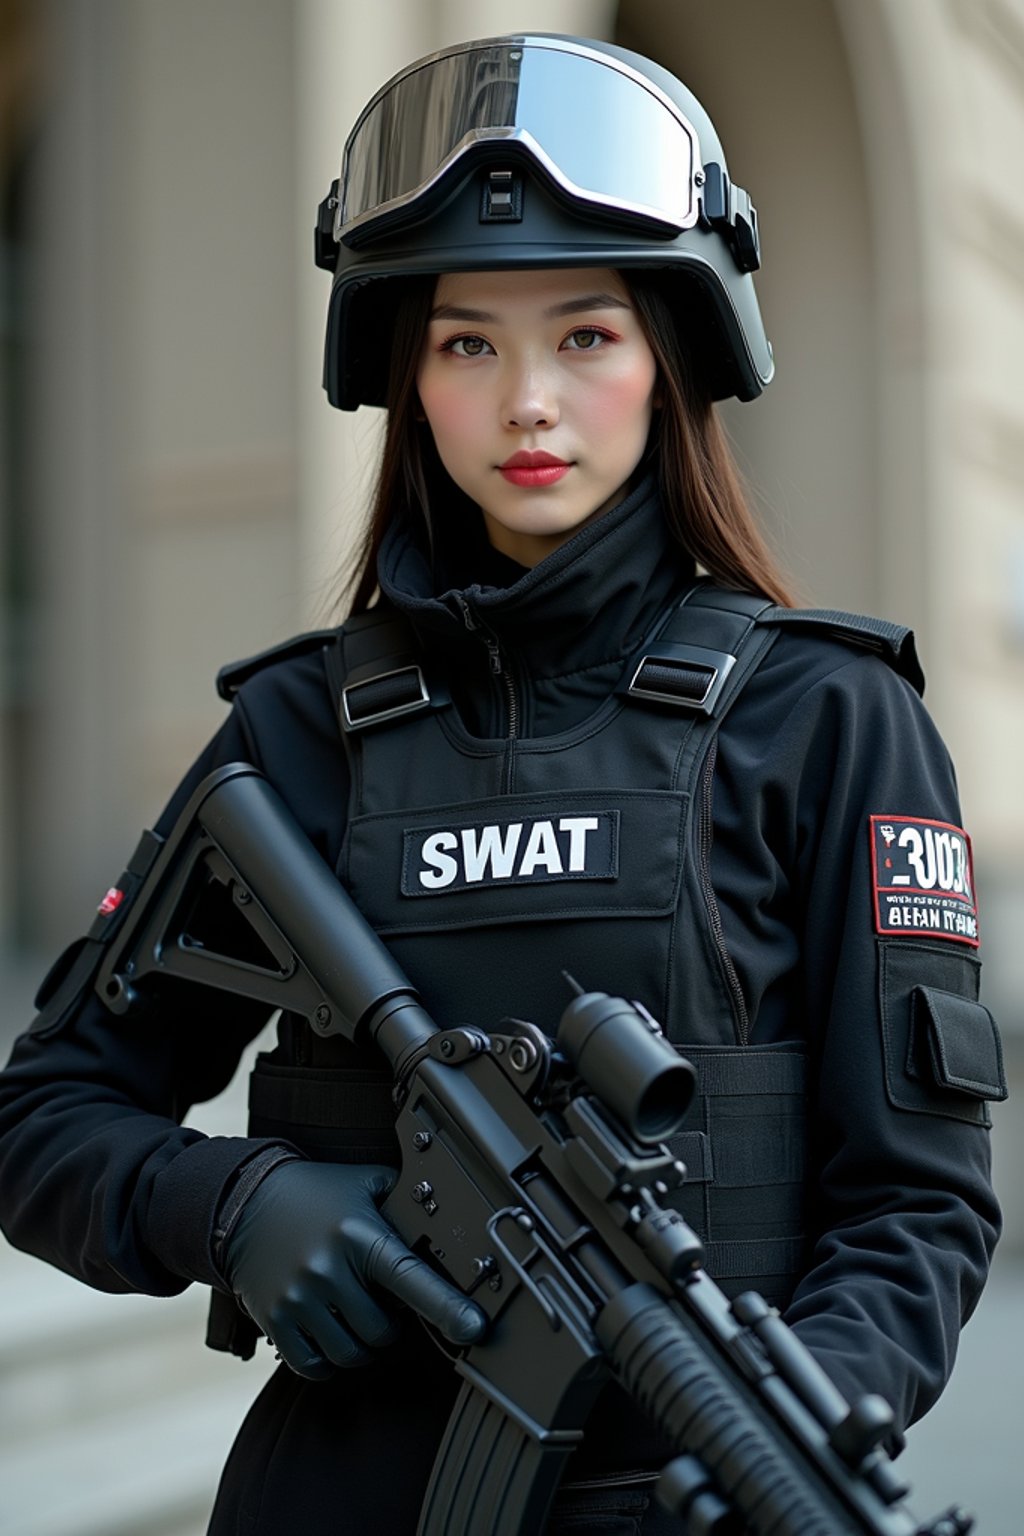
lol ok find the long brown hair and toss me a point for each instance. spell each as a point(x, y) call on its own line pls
point(705, 507)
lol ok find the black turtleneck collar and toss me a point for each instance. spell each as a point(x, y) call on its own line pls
point(562, 630)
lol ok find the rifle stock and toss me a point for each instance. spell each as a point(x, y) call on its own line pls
point(533, 1195)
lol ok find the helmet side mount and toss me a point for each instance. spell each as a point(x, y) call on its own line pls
point(325, 247)
point(727, 208)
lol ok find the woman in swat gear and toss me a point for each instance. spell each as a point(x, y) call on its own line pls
point(541, 743)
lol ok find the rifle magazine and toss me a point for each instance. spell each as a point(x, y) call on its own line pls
point(491, 1474)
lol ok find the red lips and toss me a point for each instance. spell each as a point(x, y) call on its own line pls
point(537, 459)
point(534, 468)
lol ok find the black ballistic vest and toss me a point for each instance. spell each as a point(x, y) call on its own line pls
point(489, 873)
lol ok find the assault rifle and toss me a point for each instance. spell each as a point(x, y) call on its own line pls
point(532, 1175)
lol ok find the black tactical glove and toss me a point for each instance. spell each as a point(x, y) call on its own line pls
point(316, 1265)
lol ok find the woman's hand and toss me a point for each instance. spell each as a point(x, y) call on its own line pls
point(316, 1265)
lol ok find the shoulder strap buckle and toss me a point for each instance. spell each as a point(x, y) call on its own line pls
point(370, 696)
point(690, 658)
point(684, 676)
point(375, 674)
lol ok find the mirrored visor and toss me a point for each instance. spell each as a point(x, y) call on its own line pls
point(604, 135)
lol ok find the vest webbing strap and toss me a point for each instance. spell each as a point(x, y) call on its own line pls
point(690, 661)
point(374, 636)
point(724, 1071)
point(323, 1096)
point(747, 1160)
point(332, 1114)
point(757, 1259)
point(715, 631)
point(375, 673)
point(698, 659)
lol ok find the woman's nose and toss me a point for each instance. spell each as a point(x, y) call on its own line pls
point(530, 399)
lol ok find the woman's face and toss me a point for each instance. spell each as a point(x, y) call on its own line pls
point(538, 387)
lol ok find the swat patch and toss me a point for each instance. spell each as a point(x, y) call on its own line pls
point(923, 879)
point(531, 851)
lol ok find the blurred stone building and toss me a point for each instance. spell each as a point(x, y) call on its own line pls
point(175, 491)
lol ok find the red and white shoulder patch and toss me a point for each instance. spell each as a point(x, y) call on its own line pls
point(923, 880)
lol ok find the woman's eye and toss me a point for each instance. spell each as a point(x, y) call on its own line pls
point(585, 340)
point(468, 346)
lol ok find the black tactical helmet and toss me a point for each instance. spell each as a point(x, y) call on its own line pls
point(545, 151)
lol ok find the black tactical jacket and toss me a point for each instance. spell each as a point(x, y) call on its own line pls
point(98, 1177)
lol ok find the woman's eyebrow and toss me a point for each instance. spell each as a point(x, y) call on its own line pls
point(578, 306)
point(457, 312)
point(585, 302)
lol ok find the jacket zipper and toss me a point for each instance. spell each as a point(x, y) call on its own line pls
point(503, 675)
point(739, 1004)
point(499, 669)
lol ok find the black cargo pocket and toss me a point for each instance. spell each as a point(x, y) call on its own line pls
point(941, 1046)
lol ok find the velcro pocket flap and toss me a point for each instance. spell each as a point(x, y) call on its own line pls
point(928, 996)
point(962, 1043)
